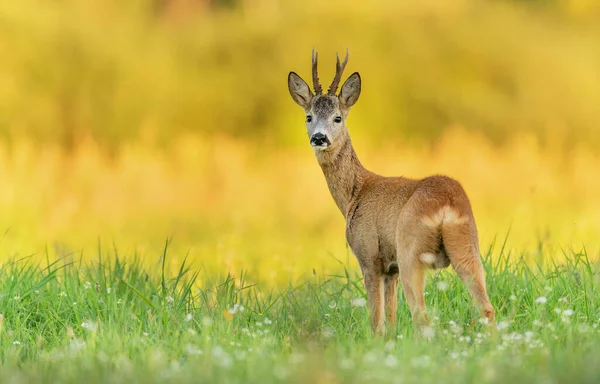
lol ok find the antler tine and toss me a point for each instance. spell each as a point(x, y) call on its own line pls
point(339, 69)
point(315, 75)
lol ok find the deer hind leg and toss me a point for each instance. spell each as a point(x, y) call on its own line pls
point(412, 241)
point(461, 243)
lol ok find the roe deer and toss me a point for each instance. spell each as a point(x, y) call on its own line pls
point(397, 227)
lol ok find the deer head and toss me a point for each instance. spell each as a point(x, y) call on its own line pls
point(325, 114)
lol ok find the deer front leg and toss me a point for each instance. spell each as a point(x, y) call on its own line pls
point(391, 300)
point(374, 286)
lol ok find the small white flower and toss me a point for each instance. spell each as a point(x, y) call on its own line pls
point(90, 326)
point(62, 294)
point(513, 297)
point(119, 301)
point(541, 300)
point(332, 305)
point(359, 302)
point(428, 332)
point(502, 325)
point(108, 290)
point(77, 344)
point(443, 285)
point(188, 317)
point(192, 349)
point(568, 312)
point(484, 321)
point(236, 308)
point(87, 285)
point(16, 342)
point(268, 321)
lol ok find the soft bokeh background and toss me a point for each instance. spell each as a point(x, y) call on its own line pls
point(126, 123)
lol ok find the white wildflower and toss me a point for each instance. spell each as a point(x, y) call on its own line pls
point(541, 300)
point(189, 317)
point(87, 285)
point(568, 312)
point(513, 297)
point(332, 305)
point(359, 302)
point(77, 344)
point(221, 357)
point(16, 342)
point(268, 321)
point(89, 326)
point(428, 332)
point(191, 349)
point(443, 285)
point(502, 325)
point(108, 290)
point(62, 294)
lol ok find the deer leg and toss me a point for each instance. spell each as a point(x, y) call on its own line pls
point(375, 286)
point(461, 243)
point(412, 276)
point(391, 300)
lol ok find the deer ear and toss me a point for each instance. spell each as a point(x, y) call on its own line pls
point(299, 90)
point(350, 91)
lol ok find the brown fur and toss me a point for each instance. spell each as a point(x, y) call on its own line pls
point(397, 227)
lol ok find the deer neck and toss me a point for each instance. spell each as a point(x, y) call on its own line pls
point(343, 171)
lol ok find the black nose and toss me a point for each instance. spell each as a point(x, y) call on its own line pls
point(319, 139)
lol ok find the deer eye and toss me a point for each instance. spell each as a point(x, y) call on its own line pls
point(308, 119)
point(338, 119)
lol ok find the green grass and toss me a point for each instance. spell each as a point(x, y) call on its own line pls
point(114, 321)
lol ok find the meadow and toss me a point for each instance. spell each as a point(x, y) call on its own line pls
point(163, 219)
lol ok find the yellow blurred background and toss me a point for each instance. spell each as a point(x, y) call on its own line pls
point(126, 123)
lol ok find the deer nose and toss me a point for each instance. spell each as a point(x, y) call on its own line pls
point(319, 139)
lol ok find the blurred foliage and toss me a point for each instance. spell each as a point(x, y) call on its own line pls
point(121, 71)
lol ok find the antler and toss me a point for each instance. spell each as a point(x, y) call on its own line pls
point(339, 68)
point(315, 75)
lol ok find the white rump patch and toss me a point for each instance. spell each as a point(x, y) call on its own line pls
point(447, 215)
point(428, 258)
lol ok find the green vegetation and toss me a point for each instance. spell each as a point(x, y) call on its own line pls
point(104, 321)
